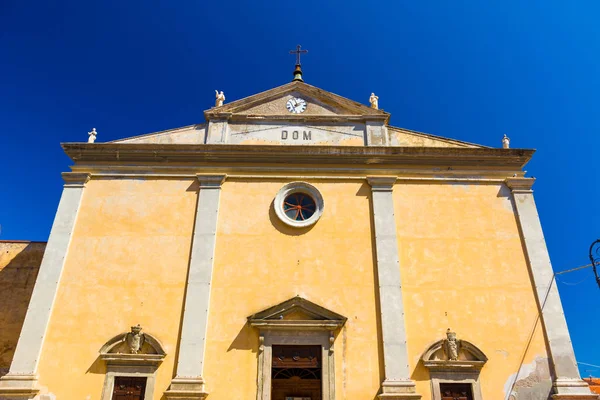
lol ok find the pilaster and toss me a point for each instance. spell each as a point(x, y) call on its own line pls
point(376, 133)
point(188, 383)
point(397, 384)
point(21, 380)
point(567, 384)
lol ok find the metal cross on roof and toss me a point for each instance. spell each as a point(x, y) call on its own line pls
point(298, 51)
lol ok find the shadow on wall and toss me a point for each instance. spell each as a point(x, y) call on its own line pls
point(19, 267)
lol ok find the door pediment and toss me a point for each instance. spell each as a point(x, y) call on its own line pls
point(297, 313)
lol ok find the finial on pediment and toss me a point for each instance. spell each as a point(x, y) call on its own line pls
point(220, 98)
point(505, 142)
point(451, 345)
point(135, 339)
point(92, 135)
point(374, 100)
point(298, 69)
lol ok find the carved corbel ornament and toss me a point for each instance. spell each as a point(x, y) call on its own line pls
point(210, 181)
point(520, 184)
point(331, 341)
point(75, 179)
point(261, 343)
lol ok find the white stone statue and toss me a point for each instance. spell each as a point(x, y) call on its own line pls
point(92, 135)
point(374, 100)
point(505, 142)
point(451, 345)
point(220, 98)
point(135, 339)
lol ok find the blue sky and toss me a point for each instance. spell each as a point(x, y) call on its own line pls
point(465, 70)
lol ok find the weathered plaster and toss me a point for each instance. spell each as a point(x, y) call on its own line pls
point(533, 382)
point(462, 266)
point(259, 261)
point(131, 243)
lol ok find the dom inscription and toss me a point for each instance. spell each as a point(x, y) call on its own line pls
point(296, 135)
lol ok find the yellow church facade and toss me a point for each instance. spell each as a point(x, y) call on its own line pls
point(295, 246)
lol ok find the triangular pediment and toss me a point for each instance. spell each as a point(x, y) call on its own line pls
point(297, 312)
point(272, 103)
point(328, 120)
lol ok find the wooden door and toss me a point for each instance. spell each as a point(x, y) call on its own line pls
point(296, 388)
point(129, 388)
point(296, 372)
point(456, 391)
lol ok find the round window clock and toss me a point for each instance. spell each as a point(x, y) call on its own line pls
point(296, 105)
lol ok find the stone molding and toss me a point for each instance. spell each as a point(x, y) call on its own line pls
point(298, 187)
point(371, 156)
point(397, 384)
point(142, 361)
point(320, 318)
point(75, 180)
point(382, 183)
point(473, 363)
point(188, 382)
point(211, 181)
point(520, 185)
point(311, 325)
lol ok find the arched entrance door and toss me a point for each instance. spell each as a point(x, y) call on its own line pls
point(296, 373)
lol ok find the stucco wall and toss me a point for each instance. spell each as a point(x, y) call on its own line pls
point(19, 266)
point(127, 264)
point(463, 267)
point(260, 262)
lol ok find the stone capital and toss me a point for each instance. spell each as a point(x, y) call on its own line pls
point(75, 179)
point(210, 181)
point(520, 185)
point(382, 183)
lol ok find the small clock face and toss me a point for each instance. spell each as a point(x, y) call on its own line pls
point(296, 105)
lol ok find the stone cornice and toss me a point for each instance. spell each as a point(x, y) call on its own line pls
point(224, 154)
point(299, 118)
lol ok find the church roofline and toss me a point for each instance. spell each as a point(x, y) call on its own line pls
point(436, 137)
point(219, 154)
point(143, 135)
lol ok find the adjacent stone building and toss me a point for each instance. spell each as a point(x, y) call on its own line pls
point(295, 246)
point(19, 266)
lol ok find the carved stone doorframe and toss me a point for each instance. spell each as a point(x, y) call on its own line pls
point(273, 338)
point(296, 322)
